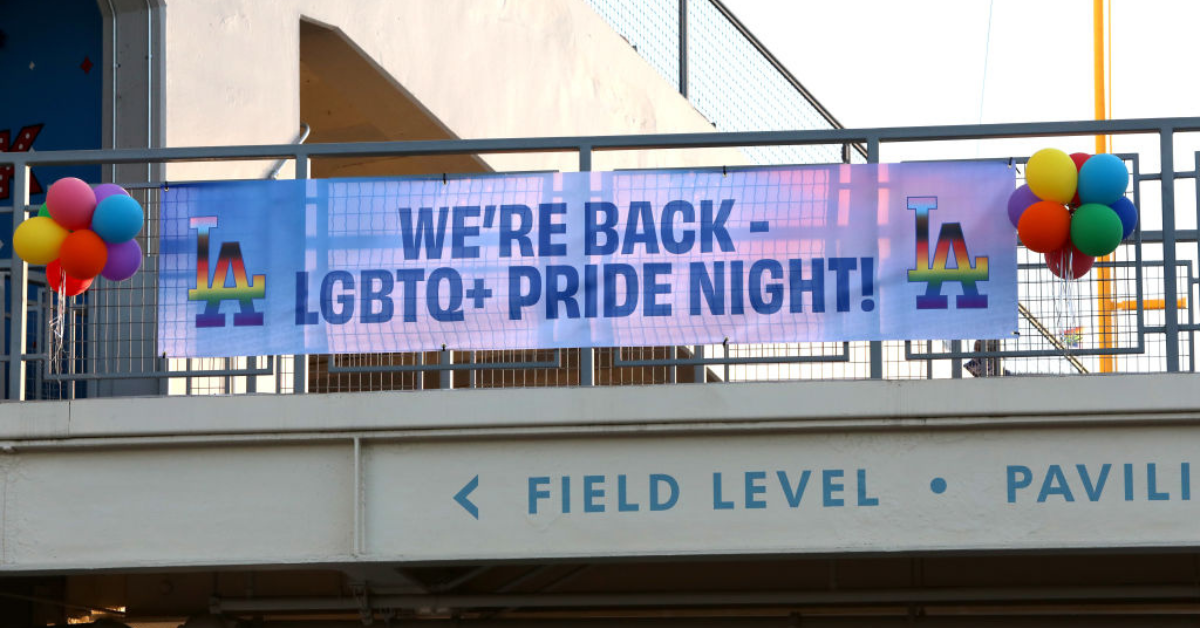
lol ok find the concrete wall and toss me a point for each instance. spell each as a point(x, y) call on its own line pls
point(481, 69)
point(329, 480)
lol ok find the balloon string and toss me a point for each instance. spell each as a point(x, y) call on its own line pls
point(58, 322)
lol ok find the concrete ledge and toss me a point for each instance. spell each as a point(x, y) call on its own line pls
point(1126, 395)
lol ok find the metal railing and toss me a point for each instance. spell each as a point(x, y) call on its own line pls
point(109, 336)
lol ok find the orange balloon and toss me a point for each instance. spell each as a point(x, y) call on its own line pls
point(1044, 227)
point(83, 254)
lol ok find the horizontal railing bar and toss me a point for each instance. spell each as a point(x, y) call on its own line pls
point(267, 369)
point(1157, 176)
point(471, 366)
point(609, 142)
point(1022, 353)
point(799, 359)
point(66, 377)
point(844, 356)
point(451, 176)
point(1181, 235)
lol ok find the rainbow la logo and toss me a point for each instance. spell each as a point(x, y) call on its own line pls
point(215, 288)
point(935, 272)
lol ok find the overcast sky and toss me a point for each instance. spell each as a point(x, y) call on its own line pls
point(921, 62)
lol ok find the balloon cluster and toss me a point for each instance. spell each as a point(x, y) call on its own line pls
point(80, 233)
point(1072, 209)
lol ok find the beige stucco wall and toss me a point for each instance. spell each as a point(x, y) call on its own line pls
point(483, 68)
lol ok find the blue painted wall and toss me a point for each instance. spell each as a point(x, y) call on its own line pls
point(51, 57)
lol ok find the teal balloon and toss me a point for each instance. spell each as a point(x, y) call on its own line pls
point(1096, 230)
point(118, 219)
point(1102, 179)
point(1128, 213)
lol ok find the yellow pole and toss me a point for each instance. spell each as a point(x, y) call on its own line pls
point(1108, 363)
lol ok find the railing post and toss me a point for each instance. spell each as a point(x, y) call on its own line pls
point(587, 355)
point(300, 362)
point(446, 376)
point(18, 289)
point(1166, 139)
point(876, 346)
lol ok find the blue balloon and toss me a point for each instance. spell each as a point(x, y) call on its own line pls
point(1128, 213)
point(117, 219)
point(1102, 179)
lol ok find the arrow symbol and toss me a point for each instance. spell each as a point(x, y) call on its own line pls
point(464, 492)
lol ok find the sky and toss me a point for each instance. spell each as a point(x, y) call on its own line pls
point(922, 62)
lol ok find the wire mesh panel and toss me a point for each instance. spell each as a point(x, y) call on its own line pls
point(737, 88)
point(651, 27)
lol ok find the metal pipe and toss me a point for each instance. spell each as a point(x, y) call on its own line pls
point(553, 363)
point(1166, 141)
point(300, 362)
point(18, 288)
point(587, 355)
point(149, 85)
point(683, 51)
point(305, 130)
point(112, 12)
point(875, 347)
point(730, 598)
point(844, 356)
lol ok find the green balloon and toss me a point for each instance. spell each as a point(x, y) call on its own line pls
point(42, 211)
point(1096, 230)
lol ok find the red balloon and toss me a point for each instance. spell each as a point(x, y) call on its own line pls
point(54, 276)
point(83, 254)
point(1078, 158)
point(1069, 258)
point(1045, 226)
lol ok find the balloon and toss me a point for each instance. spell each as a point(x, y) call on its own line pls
point(1103, 179)
point(1069, 258)
point(1044, 227)
point(1051, 175)
point(105, 190)
point(43, 212)
point(84, 254)
point(1128, 213)
point(117, 219)
point(55, 275)
point(38, 240)
point(1079, 159)
point(1017, 203)
point(1096, 229)
point(71, 203)
point(124, 259)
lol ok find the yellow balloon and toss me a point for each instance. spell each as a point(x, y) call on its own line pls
point(38, 240)
point(1051, 175)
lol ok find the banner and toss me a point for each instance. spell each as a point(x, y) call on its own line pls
point(639, 258)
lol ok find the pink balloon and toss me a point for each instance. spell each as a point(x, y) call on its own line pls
point(124, 259)
point(71, 203)
point(105, 190)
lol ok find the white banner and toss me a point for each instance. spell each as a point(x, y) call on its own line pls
point(819, 253)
